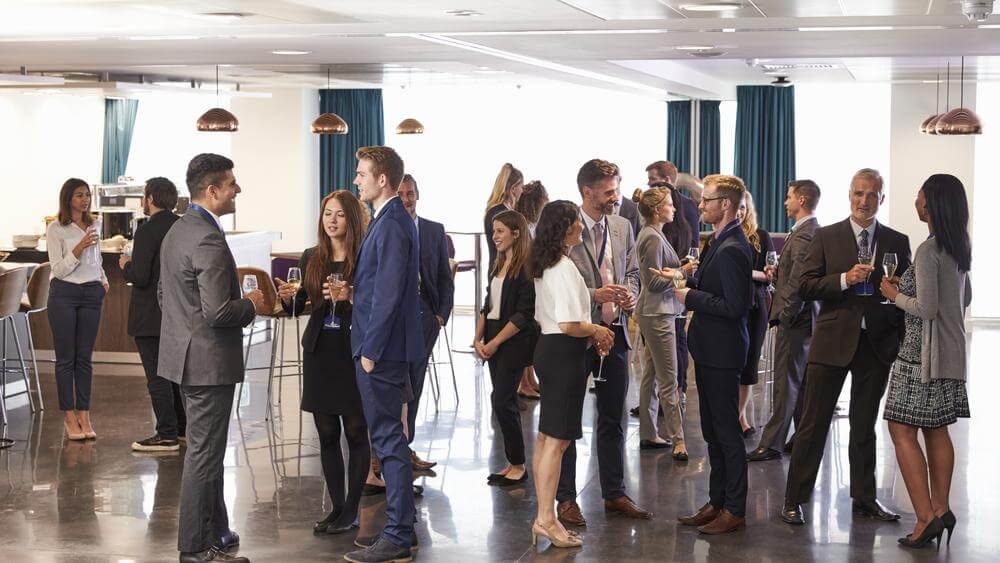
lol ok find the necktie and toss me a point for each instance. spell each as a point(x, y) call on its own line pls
point(864, 239)
point(607, 309)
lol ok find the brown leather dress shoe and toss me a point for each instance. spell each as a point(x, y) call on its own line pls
point(704, 515)
point(419, 464)
point(569, 513)
point(724, 523)
point(624, 506)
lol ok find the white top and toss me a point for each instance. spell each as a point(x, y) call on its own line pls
point(496, 293)
point(561, 296)
point(381, 207)
point(60, 241)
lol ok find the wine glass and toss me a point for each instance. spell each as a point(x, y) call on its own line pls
point(600, 369)
point(249, 283)
point(331, 321)
point(693, 253)
point(334, 280)
point(865, 257)
point(680, 280)
point(889, 264)
point(772, 260)
point(294, 280)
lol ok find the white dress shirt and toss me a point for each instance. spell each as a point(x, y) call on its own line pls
point(381, 207)
point(857, 239)
point(60, 241)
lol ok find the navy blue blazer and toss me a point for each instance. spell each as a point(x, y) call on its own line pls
point(385, 325)
point(718, 334)
point(437, 285)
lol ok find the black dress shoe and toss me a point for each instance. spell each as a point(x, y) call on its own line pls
point(792, 514)
point(213, 554)
point(229, 541)
point(763, 454)
point(504, 481)
point(634, 412)
point(651, 445)
point(334, 529)
point(382, 551)
point(873, 509)
point(370, 490)
point(418, 490)
point(494, 476)
point(749, 432)
point(321, 526)
point(788, 447)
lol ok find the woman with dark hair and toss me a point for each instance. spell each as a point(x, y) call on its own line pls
point(506, 192)
point(329, 388)
point(533, 199)
point(76, 296)
point(562, 309)
point(506, 335)
point(927, 384)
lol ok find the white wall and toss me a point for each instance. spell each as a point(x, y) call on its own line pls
point(277, 166)
point(46, 139)
point(985, 266)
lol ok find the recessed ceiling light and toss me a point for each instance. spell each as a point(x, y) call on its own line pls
point(694, 47)
point(289, 52)
point(712, 7)
point(463, 13)
point(706, 54)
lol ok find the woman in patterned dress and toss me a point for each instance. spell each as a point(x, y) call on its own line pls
point(927, 384)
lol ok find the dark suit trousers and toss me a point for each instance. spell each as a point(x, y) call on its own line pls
point(822, 387)
point(681, 339)
point(382, 399)
point(610, 428)
point(718, 404)
point(168, 407)
point(418, 370)
point(203, 517)
point(791, 351)
point(504, 402)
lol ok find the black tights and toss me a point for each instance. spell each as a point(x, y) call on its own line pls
point(329, 426)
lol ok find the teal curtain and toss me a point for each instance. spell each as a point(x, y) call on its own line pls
point(765, 149)
point(362, 110)
point(119, 121)
point(679, 134)
point(708, 138)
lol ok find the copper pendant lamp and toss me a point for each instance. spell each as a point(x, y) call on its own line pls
point(329, 123)
point(218, 120)
point(960, 121)
point(925, 127)
point(410, 126)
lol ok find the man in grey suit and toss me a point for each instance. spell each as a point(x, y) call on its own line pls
point(606, 260)
point(794, 319)
point(201, 349)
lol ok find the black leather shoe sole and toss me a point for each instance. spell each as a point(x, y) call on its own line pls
point(793, 518)
point(370, 490)
point(767, 455)
point(651, 445)
point(884, 517)
point(336, 530)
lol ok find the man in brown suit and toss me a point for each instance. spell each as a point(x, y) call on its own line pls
point(855, 333)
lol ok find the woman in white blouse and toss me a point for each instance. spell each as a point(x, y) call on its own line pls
point(75, 299)
point(563, 312)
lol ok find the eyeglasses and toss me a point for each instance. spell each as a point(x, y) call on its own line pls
point(706, 199)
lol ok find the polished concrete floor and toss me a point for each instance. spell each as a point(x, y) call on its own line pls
point(98, 501)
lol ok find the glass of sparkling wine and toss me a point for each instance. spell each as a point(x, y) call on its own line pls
point(889, 264)
point(693, 254)
point(294, 280)
point(334, 280)
point(680, 280)
point(772, 260)
point(249, 283)
point(865, 257)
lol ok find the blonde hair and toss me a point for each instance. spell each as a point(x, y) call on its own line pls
point(749, 222)
point(648, 200)
point(506, 179)
point(731, 187)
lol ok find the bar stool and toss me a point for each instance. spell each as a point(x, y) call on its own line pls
point(12, 286)
point(432, 365)
point(474, 266)
point(36, 301)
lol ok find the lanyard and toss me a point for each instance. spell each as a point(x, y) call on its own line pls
point(604, 244)
point(205, 214)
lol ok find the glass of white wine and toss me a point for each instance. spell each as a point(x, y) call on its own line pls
point(889, 264)
point(294, 280)
point(772, 260)
point(693, 254)
point(680, 280)
point(249, 283)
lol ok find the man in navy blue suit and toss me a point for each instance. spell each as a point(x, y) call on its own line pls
point(719, 341)
point(437, 294)
point(385, 338)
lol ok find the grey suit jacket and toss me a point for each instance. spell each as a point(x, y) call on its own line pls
point(201, 338)
point(787, 304)
point(622, 254)
point(656, 296)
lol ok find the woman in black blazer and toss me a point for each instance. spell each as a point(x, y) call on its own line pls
point(506, 334)
point(329, 389)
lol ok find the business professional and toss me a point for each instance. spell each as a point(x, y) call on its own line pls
point(794, 318)
point(437, 295)
point(533, 198)
point(720, 299)
point(626, 209)
point(665, 171)
point(386, 336)
point(606, 260)
point(201, 349)
point(563, 312)
point(142, 270)
point(927, 387)
point(760, 246)
point(329, 387)
point(854, 333)
point(655, 312)
point(76, 296)
point(507, 189)
point(506, 334)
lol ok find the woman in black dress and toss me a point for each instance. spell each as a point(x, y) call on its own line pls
point(506, 191)
point(506, 334)
point(760, 245)
point(329, 388)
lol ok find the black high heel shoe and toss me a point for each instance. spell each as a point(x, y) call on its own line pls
point(949, 521)
point(932, 532)
point(321, 526)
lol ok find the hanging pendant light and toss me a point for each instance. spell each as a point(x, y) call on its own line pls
point(329, 123)
point(218, 120)
point(925, 126)
point(960, 121)
point(410, 126)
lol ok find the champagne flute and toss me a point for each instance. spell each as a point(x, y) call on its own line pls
point(693, 254)
point(772, 260)
point(889, 264)
point(249, 283)
point(333, 280)
point(680, 280)
point(294, 280)
point(865, 257)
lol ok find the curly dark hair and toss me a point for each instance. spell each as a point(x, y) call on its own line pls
point(533, 199)
point(550, 235)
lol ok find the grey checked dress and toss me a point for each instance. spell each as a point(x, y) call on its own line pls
point(911, 401)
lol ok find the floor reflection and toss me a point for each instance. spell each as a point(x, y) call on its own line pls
point(98, 501)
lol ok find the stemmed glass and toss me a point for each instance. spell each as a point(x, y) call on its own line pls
point(865, 257)
point(335, 281)
point(693, 254)
point(772, 260)
point(294, 280)
point(889, 264)
point(249, 283)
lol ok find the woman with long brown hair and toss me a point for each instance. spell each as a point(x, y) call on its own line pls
point(329, 389)
point(533, 199)
point(506, 334)
point(507, 190)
